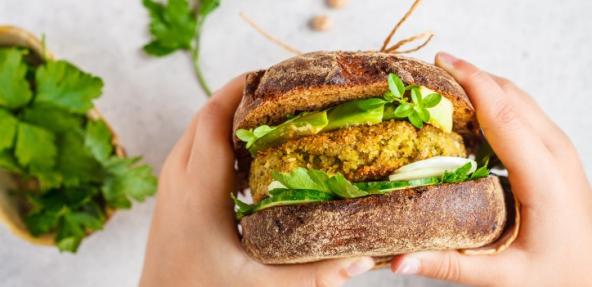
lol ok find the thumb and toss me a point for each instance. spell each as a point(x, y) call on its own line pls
point(449, 266)
point(328, 273)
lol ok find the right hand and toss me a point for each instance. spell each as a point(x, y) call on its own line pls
point(554, 245)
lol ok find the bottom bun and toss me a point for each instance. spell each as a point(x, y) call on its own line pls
point(447, 216)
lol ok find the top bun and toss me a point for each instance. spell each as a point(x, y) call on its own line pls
point(318, 80)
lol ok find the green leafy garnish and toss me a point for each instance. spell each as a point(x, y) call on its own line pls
point(66, 158)
point(14, 88)
point(463, 174)
point(60, 84)
point(415, 111)
point(176, 26)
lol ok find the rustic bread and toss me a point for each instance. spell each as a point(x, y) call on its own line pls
point(318, 80)
point(447, 216)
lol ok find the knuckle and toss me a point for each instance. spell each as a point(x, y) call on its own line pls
point(504, 113)
point(449, 269)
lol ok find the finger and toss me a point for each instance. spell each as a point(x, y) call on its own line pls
point(211, 141)
point(328, 273)
point(180, 152)
point(512, 140)
point(553, 137)
point(452, 266)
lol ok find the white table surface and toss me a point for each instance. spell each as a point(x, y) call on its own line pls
point(541, 45)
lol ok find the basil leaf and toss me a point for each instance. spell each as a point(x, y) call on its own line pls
point(396, 86)
point(432, 100)
point(423, 113)
point(415, 119)
point(403, 110)
point(416, 96)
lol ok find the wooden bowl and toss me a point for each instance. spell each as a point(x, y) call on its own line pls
point(9, 207)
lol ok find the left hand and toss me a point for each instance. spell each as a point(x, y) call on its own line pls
point(193, 239)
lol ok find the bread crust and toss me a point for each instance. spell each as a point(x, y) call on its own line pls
point(318, 80)
point(447, 216)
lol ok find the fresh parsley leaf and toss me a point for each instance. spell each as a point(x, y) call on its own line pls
point(73, 227)
point(459, 175)
point(9, 163)
point(14, 88)
point(76, 163)
point(48, 179)
point(207, 6)
point(480, 172)
point(432, 100)
point(172, 26)
point(53, 119)
point(128, 180)
point(97, 139)
point(35, 147)
point(61, 84)
point(8, 124)
point(396, 86)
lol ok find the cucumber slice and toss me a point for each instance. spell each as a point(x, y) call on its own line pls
point(377, 187)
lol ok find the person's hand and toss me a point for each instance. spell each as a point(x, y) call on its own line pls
point(554, 245)
point(193, 239)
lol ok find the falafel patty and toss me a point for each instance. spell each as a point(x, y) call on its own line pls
point(360, 153)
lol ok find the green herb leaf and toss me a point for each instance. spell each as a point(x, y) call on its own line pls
point(291, 197)
point(127, 180)
point(415, 119)
point(416, 96)
point(172, 27)
point(14, 88)
point(432, 100)
point(8, 125)
point(403, 110)
point(423, 114)
point(480, 172)
point(61, 84)
point(389, 97)
point(207, 6)
point(53, 119)
point(459, 175)
point(396, 86)
point(35, 147)
point(98, 139)
point(9, 163)
point(73, 228)
point(76, 163)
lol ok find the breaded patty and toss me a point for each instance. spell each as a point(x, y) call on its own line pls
point(361, 153)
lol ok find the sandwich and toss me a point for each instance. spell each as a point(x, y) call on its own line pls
point(362, 154)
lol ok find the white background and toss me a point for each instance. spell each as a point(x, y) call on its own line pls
point(544, 46)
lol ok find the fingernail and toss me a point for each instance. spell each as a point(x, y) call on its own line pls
point(410, 265)
point(360, 266)
point(446, 60)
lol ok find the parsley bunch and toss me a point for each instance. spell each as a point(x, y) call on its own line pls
point(175, 26)
point(69, 175)
point(415, 111)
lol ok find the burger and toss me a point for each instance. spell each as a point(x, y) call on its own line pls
point(362, 154)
